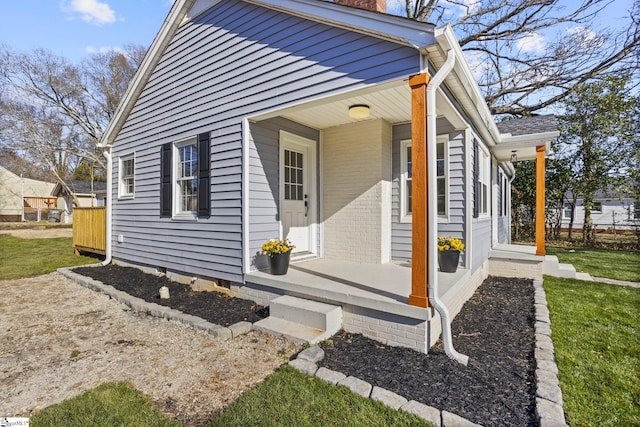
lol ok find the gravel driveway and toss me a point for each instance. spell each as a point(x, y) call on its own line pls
point(60, 339)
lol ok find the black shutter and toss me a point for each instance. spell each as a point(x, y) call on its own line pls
point(204, 170)
point(476, 183)
point(165, 180)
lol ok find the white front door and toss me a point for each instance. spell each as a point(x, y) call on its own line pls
point(297, 191)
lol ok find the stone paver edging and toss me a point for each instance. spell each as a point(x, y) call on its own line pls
point(157, 310)
point(549, 404)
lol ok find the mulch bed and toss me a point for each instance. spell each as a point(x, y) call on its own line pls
point(494, 328)
point(214, 307)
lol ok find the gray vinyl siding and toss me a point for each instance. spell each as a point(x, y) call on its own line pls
point(233, 61)
point(481, 241)
point(264, 221)
point(401, 231)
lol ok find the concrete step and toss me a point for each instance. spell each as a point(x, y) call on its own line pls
point(562, 270)
point(313, 314)
point(301, 320)
point(584, 276)
point(550, 264)
point(293, 331)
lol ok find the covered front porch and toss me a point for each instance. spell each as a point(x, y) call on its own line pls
point(382, 287)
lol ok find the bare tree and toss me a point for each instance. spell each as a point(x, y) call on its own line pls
point(55, 112)
point(522, 72)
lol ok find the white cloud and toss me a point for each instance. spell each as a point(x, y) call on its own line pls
point(103, 49)
point(91, 11)
point(463, 7)
point(531, 42)
point(584, 37)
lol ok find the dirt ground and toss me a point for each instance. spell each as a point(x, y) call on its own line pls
point(60, 339)
point(34, 233)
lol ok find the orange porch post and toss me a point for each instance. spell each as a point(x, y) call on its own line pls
point(419, 194)
point(540, 200)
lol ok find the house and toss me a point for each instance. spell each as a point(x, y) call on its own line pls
point(612, 211)
point(335, 126)
point(23, 198)
point(77, 193)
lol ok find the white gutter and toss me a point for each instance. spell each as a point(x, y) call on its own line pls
point(432, 223)
point(107, 154)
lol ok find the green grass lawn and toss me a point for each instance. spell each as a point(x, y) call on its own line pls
point(33, 257)
point(289, 398)
point(111, 404)
point(620, 265)
point(597, 347)
point(286, 398)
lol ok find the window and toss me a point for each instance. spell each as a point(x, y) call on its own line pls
point(127, 181)
point(185, 170)
point(484, 180)
point(407, 177)
point(505, 196)
point(186, 173)
point(597, 207)
point(567, 211)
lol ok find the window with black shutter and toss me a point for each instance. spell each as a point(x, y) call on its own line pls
point(185, 190)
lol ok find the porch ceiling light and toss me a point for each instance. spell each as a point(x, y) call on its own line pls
point(359, 111)
point(514, 157)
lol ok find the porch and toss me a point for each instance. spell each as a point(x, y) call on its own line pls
point(372, 298)
point(380, 287)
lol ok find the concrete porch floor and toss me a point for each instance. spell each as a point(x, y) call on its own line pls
point(381, 287)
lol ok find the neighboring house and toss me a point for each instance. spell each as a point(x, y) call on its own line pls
point(20, 196)
point(261, 119)
point(611, 211)
point(77, 193)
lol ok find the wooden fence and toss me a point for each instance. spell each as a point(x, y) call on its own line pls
point(90, 230)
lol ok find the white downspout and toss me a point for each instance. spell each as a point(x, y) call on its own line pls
point(107, 154)
point(432, 222)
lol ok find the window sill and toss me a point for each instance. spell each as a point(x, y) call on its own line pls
point(126, 197)
point(185, 216)
point(409, 220)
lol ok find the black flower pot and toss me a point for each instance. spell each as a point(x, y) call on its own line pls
point(448, 261)
point(279, 263)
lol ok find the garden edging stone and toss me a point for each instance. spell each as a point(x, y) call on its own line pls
point(549, 404)
point(156, 310)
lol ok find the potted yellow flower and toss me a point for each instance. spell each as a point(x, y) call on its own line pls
point(278, 252)
point(449, 249)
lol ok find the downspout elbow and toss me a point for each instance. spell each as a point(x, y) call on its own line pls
point(107, 154)
point(434, 300)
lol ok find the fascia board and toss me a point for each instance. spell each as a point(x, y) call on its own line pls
point(508, 141)
point(389, 27)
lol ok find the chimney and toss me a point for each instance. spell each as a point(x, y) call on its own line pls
point(373, 5)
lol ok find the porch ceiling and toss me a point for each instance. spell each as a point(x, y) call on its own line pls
point(390, 101)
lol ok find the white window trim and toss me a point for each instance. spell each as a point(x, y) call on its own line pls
point(485, 177)
point(122, 193)
point(404, 144)
point(595, 210)
point(177, 214)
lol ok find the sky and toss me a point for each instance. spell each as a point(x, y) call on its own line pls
point(76, 28)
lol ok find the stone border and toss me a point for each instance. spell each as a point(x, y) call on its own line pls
point(152, 309)
point(549, 404)
point(307, 360)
